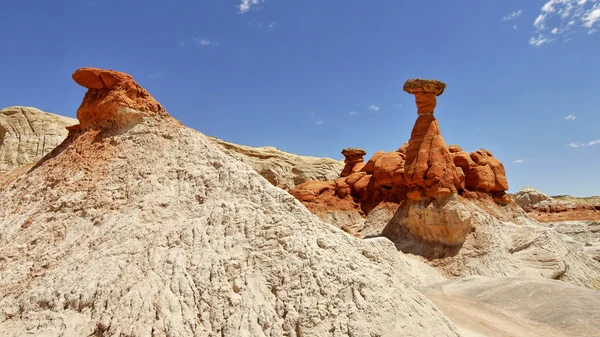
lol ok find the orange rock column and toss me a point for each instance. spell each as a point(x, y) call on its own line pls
point(429, 169)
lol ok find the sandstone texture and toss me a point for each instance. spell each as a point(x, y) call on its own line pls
point(283, 169)
point(138, 226)
point(27, 134)
point(482, 306)
point(561, 208)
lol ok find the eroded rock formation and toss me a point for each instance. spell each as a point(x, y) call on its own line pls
point(141, 226)
point(27, 134)
point(424, 177)
point(113, 100)
point(282, 169)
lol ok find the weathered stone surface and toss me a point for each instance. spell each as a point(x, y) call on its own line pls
point(114, 100)
point(528, 197)
point(385, 167)
point(281, 168)
point(27, 134)
point(517, 306)
point(154, 230)
point(417, 85)
point(354, 161)
point(429, 169)
point(443, 221)
point(369, 168)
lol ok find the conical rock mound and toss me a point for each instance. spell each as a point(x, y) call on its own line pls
point(143, 227)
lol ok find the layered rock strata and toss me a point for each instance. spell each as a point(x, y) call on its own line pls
point(27, 134)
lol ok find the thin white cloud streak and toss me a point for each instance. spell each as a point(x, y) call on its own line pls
point(203, 42)
point(513, 15)
point(319, 122)
point(519, 161)
point(353, 113)
point(571, 117)
point(560, 17)
point(246, 5)
point(594, 142)
point(374, 107)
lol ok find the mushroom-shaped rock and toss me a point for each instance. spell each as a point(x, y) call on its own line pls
point(354, 160)
point(425, 92)
point(113, 100)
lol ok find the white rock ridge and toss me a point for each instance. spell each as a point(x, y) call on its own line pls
point(152, 230)
point(281, 168)
point(27, 134)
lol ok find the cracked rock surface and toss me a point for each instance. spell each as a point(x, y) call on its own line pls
point(27, 134)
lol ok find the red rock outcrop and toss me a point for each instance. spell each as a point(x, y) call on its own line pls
point(354, 161)
point(429, 169)
point(424, 177)
point(114, 100)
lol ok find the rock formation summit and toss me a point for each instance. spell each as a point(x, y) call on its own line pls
point(114, 100)
point(139, 226)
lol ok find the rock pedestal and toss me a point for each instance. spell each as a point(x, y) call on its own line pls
point(429, 170)
point(354, 161)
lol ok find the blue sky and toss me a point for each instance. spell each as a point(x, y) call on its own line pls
point(313, 77)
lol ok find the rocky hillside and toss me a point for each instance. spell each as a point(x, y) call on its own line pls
point(27, 134)
point(137, 226)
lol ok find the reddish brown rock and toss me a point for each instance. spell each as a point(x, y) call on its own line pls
point(369, 168)
point(385, 167)
point(480, 178)
point(425, 92)
point(361, 185)
point(453, 148)
point(354, 161)
point(114, 100)
point(486, 175)
point(429, 168)
point(354, 177)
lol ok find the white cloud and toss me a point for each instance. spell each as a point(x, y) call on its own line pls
point(540, 40)
point(559, 17)
point(312, 113)
point(182, 43)
point(592, 31)
point(203, 42)
point(374, 107)
point(570, 117)
point(519, 161)
point(271, 25)
point(398, 106)
point(591, 16)
point(594, 142)
point(247, 4)
point(512, 15)
point(319, 122)
point(353, 113)
point(576, 145)
point(516, 27)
